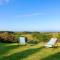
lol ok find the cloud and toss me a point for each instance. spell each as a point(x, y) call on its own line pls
point(29, 15)
point(4, 1)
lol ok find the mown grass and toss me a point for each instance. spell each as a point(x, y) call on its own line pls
point(28, 52)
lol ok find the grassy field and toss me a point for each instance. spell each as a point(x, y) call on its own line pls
point(28, 52)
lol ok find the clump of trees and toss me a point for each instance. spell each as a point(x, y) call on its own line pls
point(7, 37)
point(10, 37)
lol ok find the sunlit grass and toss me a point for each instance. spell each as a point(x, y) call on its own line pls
point(28, 52)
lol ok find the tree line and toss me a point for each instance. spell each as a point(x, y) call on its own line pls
point(12, 37)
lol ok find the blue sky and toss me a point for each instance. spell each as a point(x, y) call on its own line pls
point(30, 15)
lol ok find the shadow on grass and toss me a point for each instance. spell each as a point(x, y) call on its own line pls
point(4, 49)
point(53, 57)
point(23, 54)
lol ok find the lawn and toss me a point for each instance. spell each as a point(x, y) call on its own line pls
point(28, 52)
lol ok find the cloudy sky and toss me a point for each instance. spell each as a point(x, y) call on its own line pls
point(30, 15)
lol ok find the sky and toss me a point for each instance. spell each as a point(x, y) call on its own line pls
point(30, 15)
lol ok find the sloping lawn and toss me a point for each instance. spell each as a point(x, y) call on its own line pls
point(28, 52)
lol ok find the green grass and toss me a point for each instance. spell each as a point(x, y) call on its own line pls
point(28, 52)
